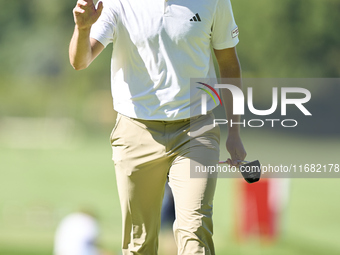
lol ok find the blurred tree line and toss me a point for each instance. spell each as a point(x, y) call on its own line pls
point(288, 38)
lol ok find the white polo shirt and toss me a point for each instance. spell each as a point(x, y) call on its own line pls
point(157, 47)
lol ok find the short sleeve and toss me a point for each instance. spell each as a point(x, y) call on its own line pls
point(224, 29)
point(104, 28)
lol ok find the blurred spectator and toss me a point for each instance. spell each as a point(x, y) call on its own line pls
point(260, 208)
point(77, 234)
point(167, 245)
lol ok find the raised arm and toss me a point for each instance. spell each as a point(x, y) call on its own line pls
point(230, 68)
point(83, 49)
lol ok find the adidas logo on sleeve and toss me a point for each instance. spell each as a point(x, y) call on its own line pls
point(196, 18)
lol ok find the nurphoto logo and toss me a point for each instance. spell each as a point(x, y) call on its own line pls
point(239, 104)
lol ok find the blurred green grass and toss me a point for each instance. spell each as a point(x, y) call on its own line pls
point(40, 186)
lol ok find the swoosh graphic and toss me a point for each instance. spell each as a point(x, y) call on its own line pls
point(213, 90)
point(208, 92)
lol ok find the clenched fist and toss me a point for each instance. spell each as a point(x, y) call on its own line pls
point(85, 13)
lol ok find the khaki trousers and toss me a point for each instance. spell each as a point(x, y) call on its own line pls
point(145, 154)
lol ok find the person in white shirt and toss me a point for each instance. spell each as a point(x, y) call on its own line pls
point(76, 234)
point(157, 47)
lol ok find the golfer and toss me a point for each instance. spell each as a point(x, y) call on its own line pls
point(158, 45)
